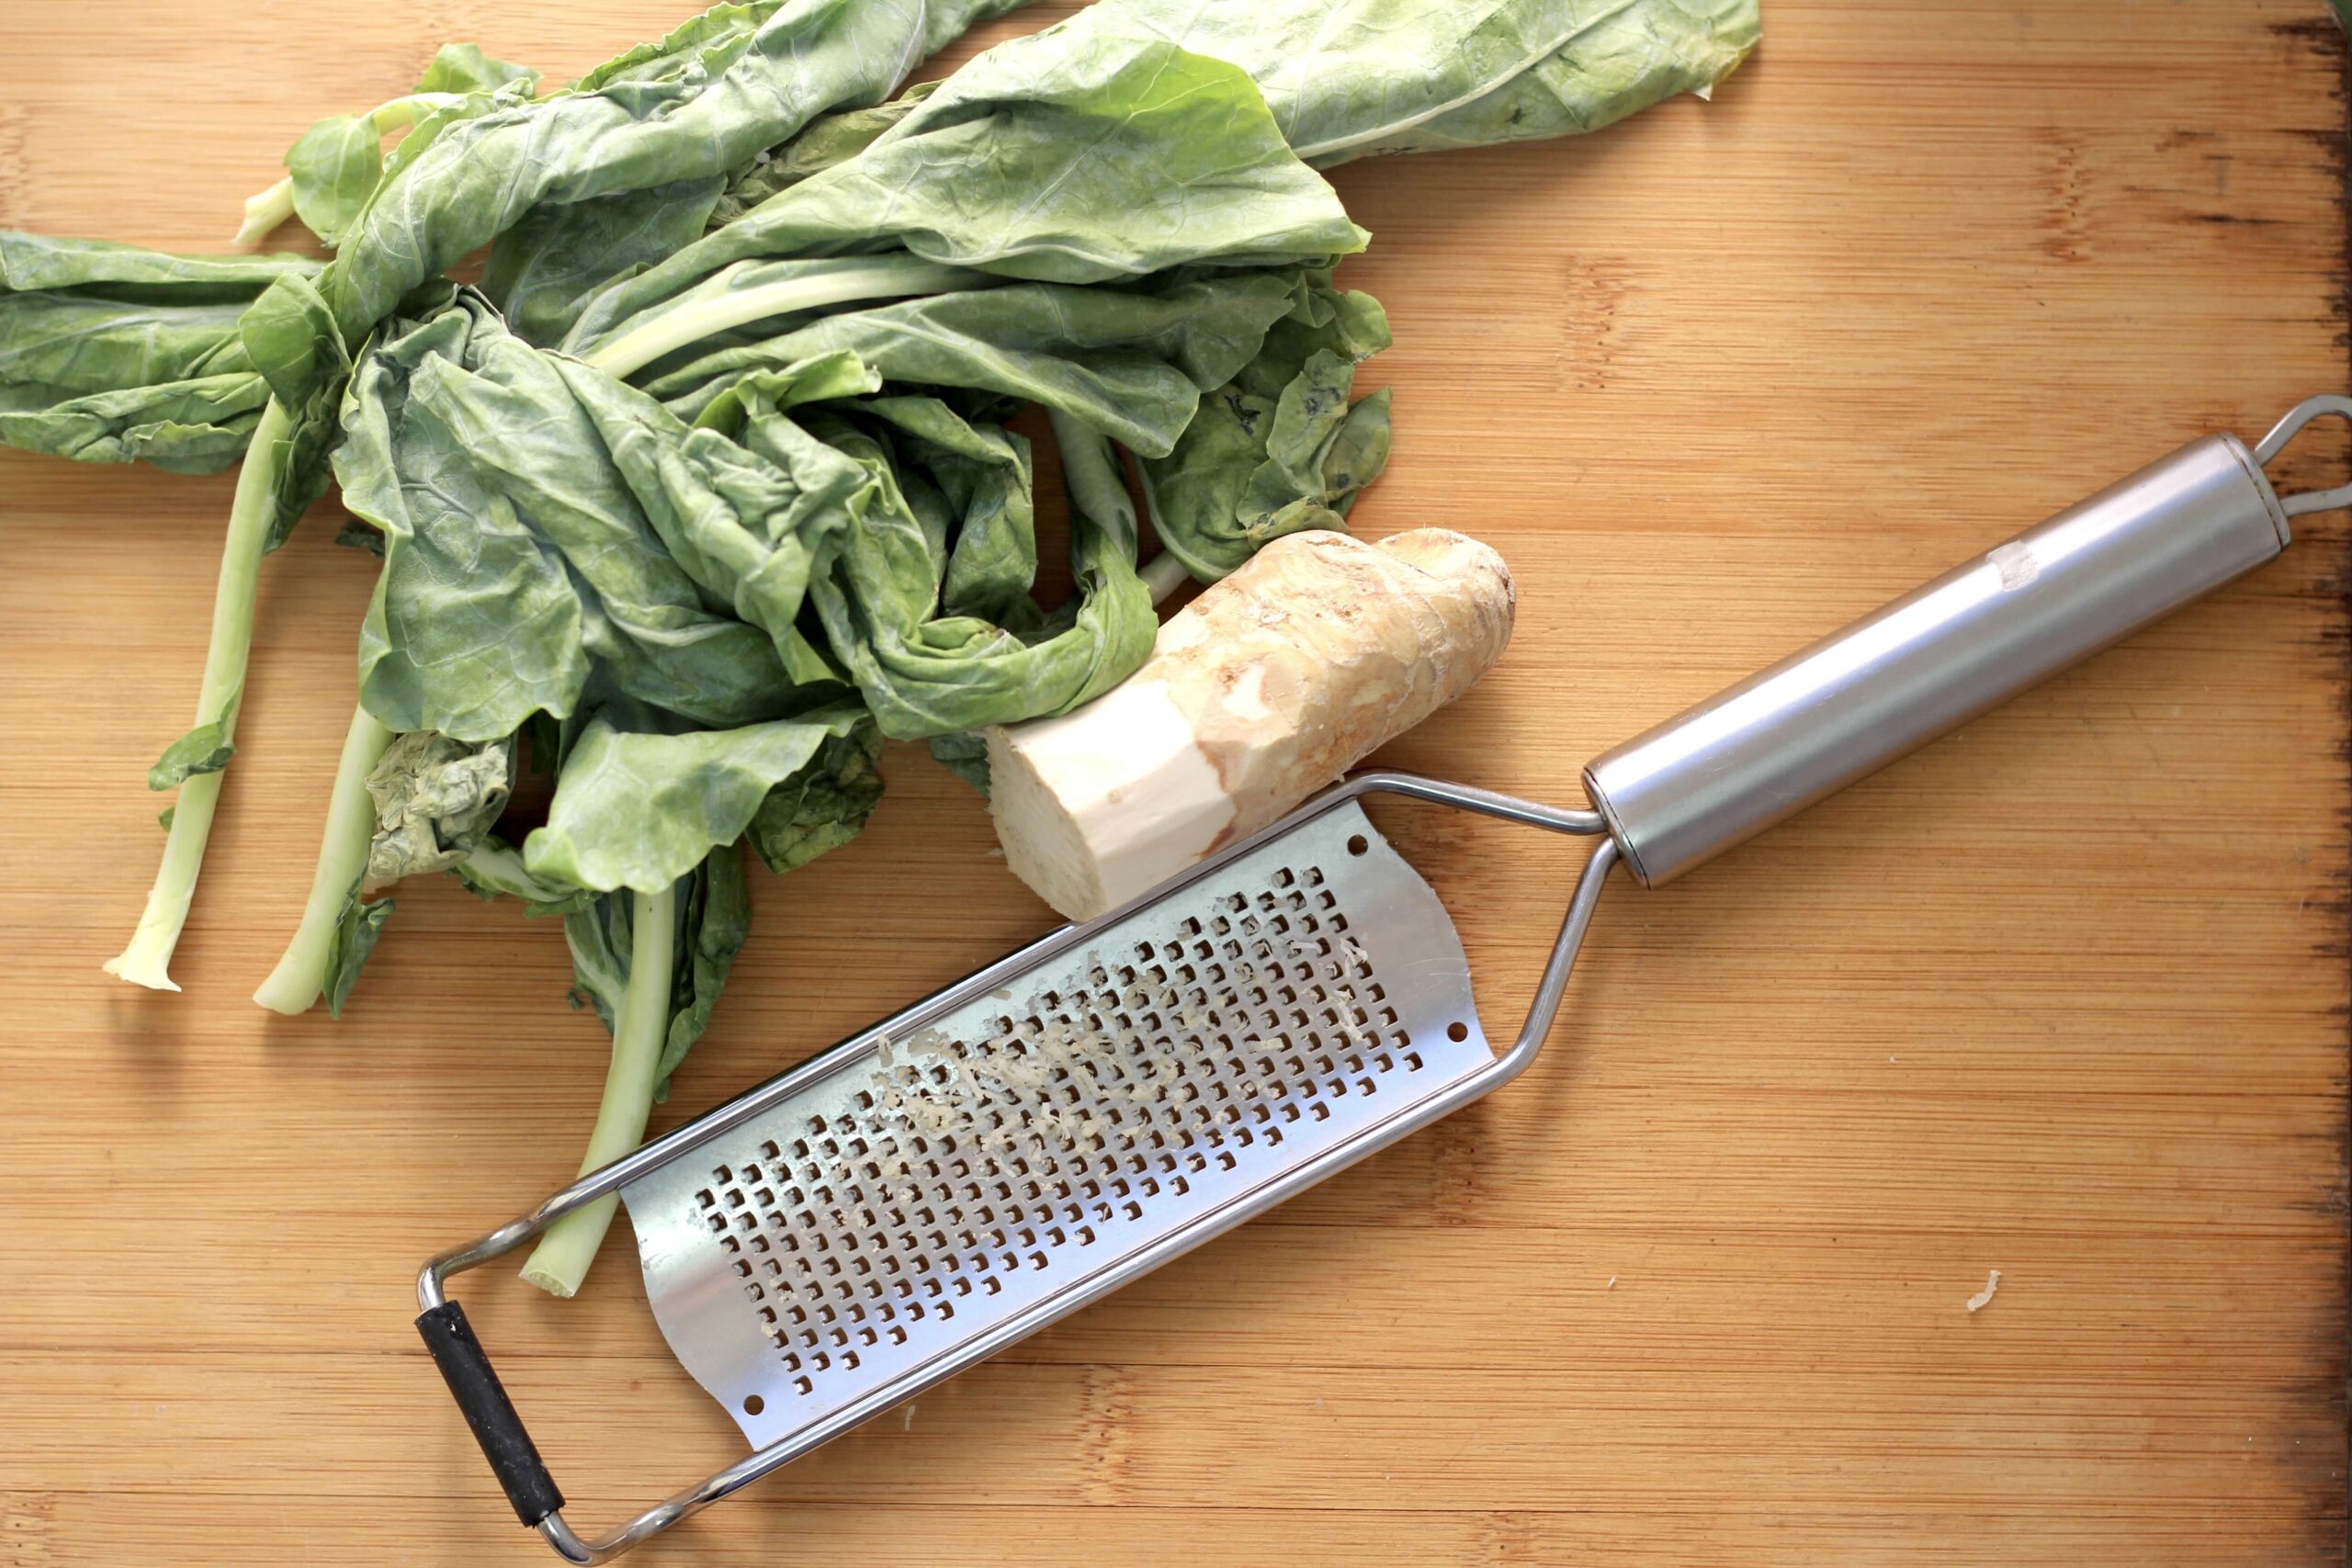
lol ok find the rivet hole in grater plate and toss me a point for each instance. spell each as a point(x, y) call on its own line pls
point(967, 1181)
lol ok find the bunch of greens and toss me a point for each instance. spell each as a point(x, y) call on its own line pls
point(711, 483)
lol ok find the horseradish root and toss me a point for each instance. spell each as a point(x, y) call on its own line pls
point(1270, 685)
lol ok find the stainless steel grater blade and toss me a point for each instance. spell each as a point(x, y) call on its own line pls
point(950, 1185)
point(1042, 1132)
point(1035, 1135)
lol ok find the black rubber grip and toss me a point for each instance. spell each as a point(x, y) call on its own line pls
point(465, 1367)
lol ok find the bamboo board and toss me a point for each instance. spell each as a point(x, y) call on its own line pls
point(2066, 996)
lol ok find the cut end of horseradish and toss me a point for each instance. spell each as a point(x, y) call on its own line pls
point(1268, 686)
point(1101, 804)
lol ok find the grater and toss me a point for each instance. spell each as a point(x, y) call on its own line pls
point(1040, 1133)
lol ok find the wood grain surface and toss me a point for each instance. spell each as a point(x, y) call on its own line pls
point(2064, 996)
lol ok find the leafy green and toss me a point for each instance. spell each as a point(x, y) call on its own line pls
point(640, 809)
point(290, 340)
point(465, 68)
point(204, 750)
point(966, 755)
point(112, 353)
point(494, 869)
point(750, 291)
point(1131, 362)
point(355, 931)
point(1066, 157)
point(1278, 448)
point(768, 504)
point(542, 271)
point(333, 168)
point(912, 632)
point(699, 103)
point(828, 140)
point(823, 805)
point(1356, 77)
point(542, 521)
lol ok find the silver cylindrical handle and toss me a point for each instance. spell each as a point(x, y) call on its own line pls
point(1854, 702)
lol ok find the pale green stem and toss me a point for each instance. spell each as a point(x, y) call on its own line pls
point(300, 978)
point(148, 959)
point(885, 277)
point(1097, 490)
point(1098, 487)
point(1163, 575)
point(264, 210)
point(399, 113)
point(640, 1028)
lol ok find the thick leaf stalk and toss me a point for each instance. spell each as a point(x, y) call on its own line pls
point(745, 296)
point(264, 210)
point(640, 1029)
point(301, 977)
point(147, 961)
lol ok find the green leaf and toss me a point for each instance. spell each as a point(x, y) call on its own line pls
point(697, 105)
point(543, 271)
point(355, 939)
point(494, 869)
point(639, 810)
point(128, 274)
point(1603, 67)
point(1278, 448)
point(199, 425)
point(1071, 156)
point(598, 937)
point(1354, 77)
point(823, 805)
point(464, 68)
point(289, 338)
point(751, 397)
point(542, 522)
point(963, 755)
point(716, 920)
point(925, 667)
point(111, 353)
point(334, 166)
point(826, 141)
point(204, 750)
point(1130, 363)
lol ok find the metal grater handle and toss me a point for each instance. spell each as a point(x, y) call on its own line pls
point(1764, 749)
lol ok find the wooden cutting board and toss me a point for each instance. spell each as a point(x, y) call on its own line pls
point(2064, 997)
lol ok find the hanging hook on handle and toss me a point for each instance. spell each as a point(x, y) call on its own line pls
point(2285, 431)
